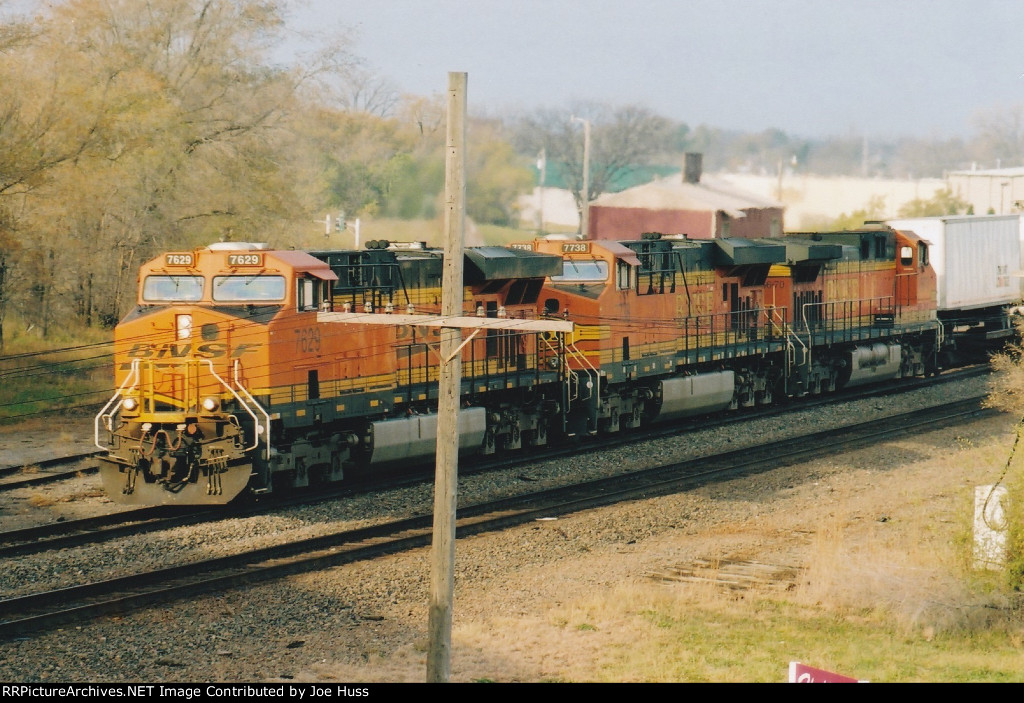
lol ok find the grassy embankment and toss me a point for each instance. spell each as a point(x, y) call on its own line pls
point(68, 369)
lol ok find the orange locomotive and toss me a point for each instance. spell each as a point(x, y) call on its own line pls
point(228, 381)
point(243, 369)
point(669, 327)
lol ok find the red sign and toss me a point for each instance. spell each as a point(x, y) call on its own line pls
point(801, 673)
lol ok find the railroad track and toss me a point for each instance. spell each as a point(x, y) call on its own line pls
point(52, 608)
point(6, 471)
point(92, 530)
point(40, 472)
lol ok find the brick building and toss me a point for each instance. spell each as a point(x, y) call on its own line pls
point(702, 207)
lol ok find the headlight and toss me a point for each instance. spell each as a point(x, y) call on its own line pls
point(130, 404)
point(184, 326)
point(210, 404)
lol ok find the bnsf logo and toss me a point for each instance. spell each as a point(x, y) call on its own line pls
point(211, 350)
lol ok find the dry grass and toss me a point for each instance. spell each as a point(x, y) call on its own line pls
point(884, 588)
point(48, 500)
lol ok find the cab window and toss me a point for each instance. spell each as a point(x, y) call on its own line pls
point(167, 289)
point(623, 275)
point(574, 270)
point(309, 293)
point(244, 289)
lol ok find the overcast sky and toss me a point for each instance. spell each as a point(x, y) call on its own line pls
point(811, 68)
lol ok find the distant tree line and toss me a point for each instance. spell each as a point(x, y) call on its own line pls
point(130, 127)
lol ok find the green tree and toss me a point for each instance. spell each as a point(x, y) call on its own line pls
point(394, 166)
point(873, 210)
point(495, 175)
point(944, 202)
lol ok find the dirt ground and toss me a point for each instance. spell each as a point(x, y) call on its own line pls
point(887, 526)
point(35, 441)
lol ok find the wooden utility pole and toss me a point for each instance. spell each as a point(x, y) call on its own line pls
point(585, 226)
point(451, 324)
point(585, 194)
point(442, 554)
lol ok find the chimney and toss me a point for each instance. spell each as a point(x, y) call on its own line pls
point(692, 168)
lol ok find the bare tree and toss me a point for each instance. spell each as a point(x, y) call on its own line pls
point(364, 91)
point(621, 139)
point(1000, 136)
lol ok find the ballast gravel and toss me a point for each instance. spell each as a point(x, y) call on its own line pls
point(367, 621)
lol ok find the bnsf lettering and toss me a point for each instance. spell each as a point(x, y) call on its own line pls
point(210, 350)
point(407, 332)
point(241, 349)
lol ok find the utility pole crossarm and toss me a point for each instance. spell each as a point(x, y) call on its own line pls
point(509, 324)
point(449, 322)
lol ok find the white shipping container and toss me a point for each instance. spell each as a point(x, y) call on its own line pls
point(977, 258)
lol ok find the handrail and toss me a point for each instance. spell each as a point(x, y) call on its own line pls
point(248, 395)
point(565, 362)
point(581, 357)
point(789, 335)
point(848, 303)
point(134, 373)
point(255, 420)
point(247, 402)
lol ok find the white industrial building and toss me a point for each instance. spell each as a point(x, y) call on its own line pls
point(996, 191)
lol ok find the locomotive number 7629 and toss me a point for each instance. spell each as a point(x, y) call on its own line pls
point(307, 340)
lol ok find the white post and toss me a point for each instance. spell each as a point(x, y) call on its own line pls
point(990, 527)
point(542, 168)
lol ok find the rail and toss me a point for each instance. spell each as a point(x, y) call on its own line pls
point(778, 323)
point(266, 415)
point(572, 377)
point(844, 317)
point(585, 362)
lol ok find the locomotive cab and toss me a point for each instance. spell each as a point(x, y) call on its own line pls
point(185, 424)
